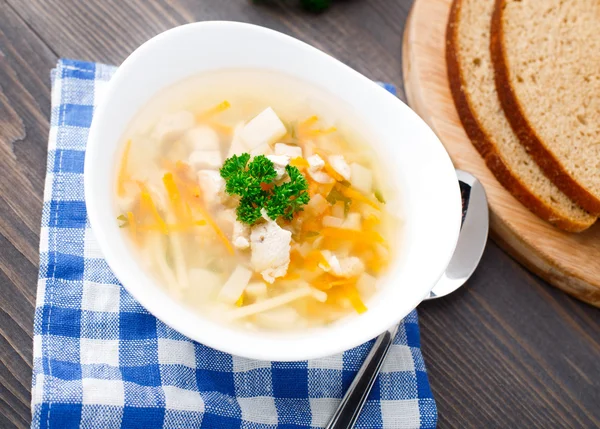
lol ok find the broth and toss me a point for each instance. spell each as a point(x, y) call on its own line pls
point(254, 198)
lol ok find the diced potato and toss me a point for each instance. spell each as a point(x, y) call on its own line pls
point(317, 204)
point(333, 222)
point(235, 285)
point(361, 178)
point(263, 149)
point(202, 138)
point(237, 146)
point(206, 159)
point(339, 164)
point(172, 126)
point(366, 285)
point(368, 211)
point(338, 210)
point(266, 127)
point(352, 221)
point(289, 150)
point(256, 289)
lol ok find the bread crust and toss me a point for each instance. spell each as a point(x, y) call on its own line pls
point(547, 161)
point(483, 143)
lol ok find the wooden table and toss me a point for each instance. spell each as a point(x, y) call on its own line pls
point(507, 350)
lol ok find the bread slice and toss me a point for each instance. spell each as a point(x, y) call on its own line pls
point(546, 56)
point(471, 78)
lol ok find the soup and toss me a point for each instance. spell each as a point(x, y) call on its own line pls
point(253, 198)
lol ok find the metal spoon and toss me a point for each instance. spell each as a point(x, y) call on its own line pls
point(469, 248)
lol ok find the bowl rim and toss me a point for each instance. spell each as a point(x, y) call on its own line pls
point(274, 347)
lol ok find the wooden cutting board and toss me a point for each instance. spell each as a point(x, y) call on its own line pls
point(566, 260)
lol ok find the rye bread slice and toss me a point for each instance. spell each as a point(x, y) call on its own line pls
point(546, 56)
point(471, 78)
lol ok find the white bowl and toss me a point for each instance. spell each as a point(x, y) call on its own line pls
point(418, 164)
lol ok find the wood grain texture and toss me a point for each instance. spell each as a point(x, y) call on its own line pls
point(566, 260)
point(505, 351)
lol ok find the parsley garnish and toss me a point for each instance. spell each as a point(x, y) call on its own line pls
point(253, 181)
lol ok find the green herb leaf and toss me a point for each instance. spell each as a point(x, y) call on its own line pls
point(253, 182)
point(123, 219)
point(379, 196)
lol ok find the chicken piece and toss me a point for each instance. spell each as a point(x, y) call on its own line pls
point(315, 169)
point(240, 236)
point(172, 126)
point(289, 150)
point(270, 246)
point(212, 187)
point(226, 220)
point(339, 164)
point(279, 162)
point(346, 267)
point(206, 159)
point(361, 178)
point(266, 127)
point(201, 137)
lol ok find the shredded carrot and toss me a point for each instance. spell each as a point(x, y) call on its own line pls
point(355, 300)
point(290, 276)
point(221, 128)
point(171, 227)
point(313, 259)
point(320, 132)
point(309, 121)
point(370, 222)
point(224, 105)
point(331, 171)
point(194, 199)
point(351, 235)
point(240, 301)
point(351, 193)
point(174, 195)
point(147, 200)
point(342, 282)
point(266, 186)
point(123, 175)
point(132, 225)
point(299, 162)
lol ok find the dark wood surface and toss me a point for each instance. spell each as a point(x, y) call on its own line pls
point(505, 351)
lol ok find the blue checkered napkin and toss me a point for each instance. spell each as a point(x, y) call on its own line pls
point(102, 361)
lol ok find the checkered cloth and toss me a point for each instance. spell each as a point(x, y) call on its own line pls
point(102, 361)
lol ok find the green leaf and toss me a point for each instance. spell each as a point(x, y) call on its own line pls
point(379, 196)
point(234, 165)
point(247, 181)
point(315, 5)
point(123, 219)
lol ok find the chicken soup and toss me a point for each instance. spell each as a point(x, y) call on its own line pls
point(254, 198)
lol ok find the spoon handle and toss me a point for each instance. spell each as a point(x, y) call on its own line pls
point(356, 396)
